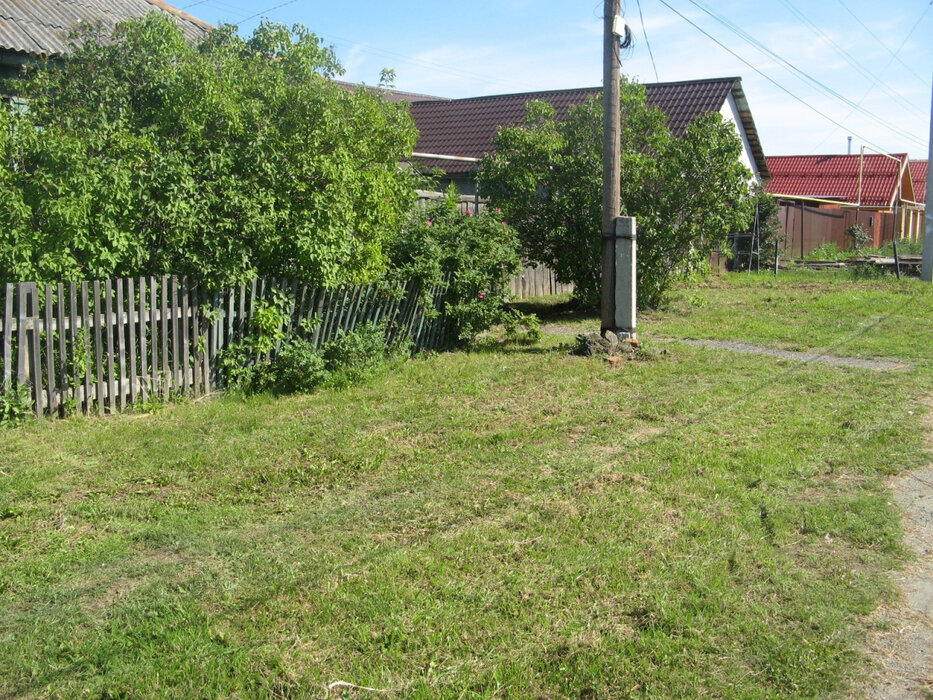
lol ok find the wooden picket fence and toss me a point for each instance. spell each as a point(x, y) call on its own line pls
point(102, 346)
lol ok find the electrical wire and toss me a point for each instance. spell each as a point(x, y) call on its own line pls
point(826, 89)
point(887, 48)
point(277, 7)
point(763, 74)
point(887, 65)
point(850, 59)
point(647, 43)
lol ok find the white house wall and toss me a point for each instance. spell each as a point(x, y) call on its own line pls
point(731, 114)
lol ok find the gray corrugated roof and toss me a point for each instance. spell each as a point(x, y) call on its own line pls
point(41, 27)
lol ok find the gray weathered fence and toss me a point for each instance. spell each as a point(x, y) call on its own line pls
point(101, 346)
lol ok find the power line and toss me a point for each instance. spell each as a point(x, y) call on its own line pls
point(763, 74)
point(850, 59)
point(644, 31)
point(881, 43)
point(894, 55)
point(800, 72)
point(277, 7)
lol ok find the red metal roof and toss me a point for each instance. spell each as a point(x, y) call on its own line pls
point(466, 127)
point(918, 172)
point(836, 177)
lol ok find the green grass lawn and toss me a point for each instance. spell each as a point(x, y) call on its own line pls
point(507, 522)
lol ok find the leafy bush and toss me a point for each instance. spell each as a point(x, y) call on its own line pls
point(687, 193)
point(354, 356)
point(351, 357)
point(860, 237)
point(15, 406)
point(471, 256)
point(296, 369)
point(230, 159)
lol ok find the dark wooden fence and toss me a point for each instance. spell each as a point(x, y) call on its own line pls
point(104, 345)
point(806, 227)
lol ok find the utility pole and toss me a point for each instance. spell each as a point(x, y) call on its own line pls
point(618, 232)
point(611, 161)
point(926, 271)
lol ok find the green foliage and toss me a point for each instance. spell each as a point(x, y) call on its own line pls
point(828, 251)
point(473, 256)
point(15, 405)
point(860, 237)
point(905, 246)
point(228, 159)
point(354, 356)
point(297, 368)
point(688, 193)
point(769, 231)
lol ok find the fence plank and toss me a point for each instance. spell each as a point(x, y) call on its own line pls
point(184, 340)
point(142, 317)
point(120, 347)
point(194, 296)
point(21, 344)
point(52, 402)
point(154, 339)
point(73, 337)
point(168, 377)
point(86, 311)
point(322, 300)
point(8, 337)
point(62, 349)
point(108, 318)
point(35, 349)
point(173, 328)
point(248, 328)
point(131, 336)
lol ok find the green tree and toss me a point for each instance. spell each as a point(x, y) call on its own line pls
point(226, 159)
point(687, 193)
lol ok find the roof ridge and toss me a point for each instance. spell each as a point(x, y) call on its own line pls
point(171, 9)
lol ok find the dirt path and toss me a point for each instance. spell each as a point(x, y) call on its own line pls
point(903, 648)
point(879, 365)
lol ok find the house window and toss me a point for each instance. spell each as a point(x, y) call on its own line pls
point(871, 221)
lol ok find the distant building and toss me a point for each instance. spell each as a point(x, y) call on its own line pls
point(821, 197)
point(464, 128)
point(31, 30)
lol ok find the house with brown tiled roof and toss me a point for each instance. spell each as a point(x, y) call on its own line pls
point(34, 29)
point(464, 128)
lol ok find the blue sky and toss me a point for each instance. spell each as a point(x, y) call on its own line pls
point(873, 61)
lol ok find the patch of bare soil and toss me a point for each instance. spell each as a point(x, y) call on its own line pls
point(903, 645)
point(879, 365)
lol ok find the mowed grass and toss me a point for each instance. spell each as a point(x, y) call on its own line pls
point(507, 522)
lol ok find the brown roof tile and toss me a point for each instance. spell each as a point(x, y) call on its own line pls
point(466, 127)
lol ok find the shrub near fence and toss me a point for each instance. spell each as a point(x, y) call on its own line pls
point(104, 345)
